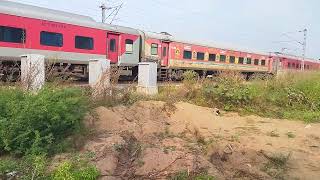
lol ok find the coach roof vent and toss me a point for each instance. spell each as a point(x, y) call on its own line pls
point(165, 33)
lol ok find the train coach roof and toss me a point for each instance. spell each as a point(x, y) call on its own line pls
point(24, 10)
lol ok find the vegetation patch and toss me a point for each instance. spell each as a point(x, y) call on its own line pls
point(37, 123)
point(277, 165)
point(184, 175)
point(288, 96)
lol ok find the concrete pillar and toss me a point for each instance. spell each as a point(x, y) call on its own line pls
point(98, 72)
point(147, 78)
point(32, 71)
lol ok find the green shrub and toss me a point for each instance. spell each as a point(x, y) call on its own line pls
point(229, 92)
point(8, 165)
point(28, 167)
point(75, 170)
point(36, 123)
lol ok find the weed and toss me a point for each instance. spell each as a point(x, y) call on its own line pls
point(276, 167)
point(235, 138)
point(291, 135)
point(273, 133)
point(140, 163)
point(118, 147)
point(168, 149)
point(185, 175)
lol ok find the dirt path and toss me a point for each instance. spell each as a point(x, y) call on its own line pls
point(154, 140)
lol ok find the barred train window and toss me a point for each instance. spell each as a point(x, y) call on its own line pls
point(249, 61)
point(241, 60)
point(187, 55)
point(263, 62)
point(200, 56)
point(154, 49)
point(129, 46)
point(84, 42)
point(12, 34)
point(232, 59)
point(212, 57)
point(256, 62)
point(51, 39)
point(113, 45)
point(223, 58)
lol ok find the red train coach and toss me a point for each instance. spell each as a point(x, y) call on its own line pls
point(65, 37)
point(177, 56)
point(72, 40)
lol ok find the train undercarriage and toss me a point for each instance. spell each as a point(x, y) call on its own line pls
point(10, 72)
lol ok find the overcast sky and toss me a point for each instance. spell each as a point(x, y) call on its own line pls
point(255, 24)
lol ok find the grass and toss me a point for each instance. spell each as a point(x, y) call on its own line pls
point(184, 175)
point(293, 96)
point(277, 165)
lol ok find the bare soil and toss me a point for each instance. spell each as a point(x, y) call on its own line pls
point(155, 140)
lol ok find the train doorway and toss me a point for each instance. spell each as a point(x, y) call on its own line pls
point(113, 47)
point(165, 53)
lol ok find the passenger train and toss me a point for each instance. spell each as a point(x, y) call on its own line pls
point(72, 40)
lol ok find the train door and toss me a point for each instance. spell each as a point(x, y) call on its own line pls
point(165, 53)
point(113, 47)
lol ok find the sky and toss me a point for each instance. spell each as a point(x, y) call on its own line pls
point(264, 25)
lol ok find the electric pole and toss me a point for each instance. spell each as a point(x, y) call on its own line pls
point(113, 13)
point(305, 31)
point(103, 13)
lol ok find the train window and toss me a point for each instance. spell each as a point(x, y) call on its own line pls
point(241, 60)
point(289, 65)
point(84, 42)
point(293, 65)
point(232, 59)
point(11, 34)
point(263, 62)
point(51, 39)
point(200, 56)
point(113, 45)
point(297, 66)
point(223, 58)
point(164, 51)
point(212, 57)
point(249, 61)
point(187, 55)
point(129, 46)
point(256, 62)
point(154, 49)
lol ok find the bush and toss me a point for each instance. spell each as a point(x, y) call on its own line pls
point(36, 123)
point(229, 91)
point(28, 167)
point(76, 169)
